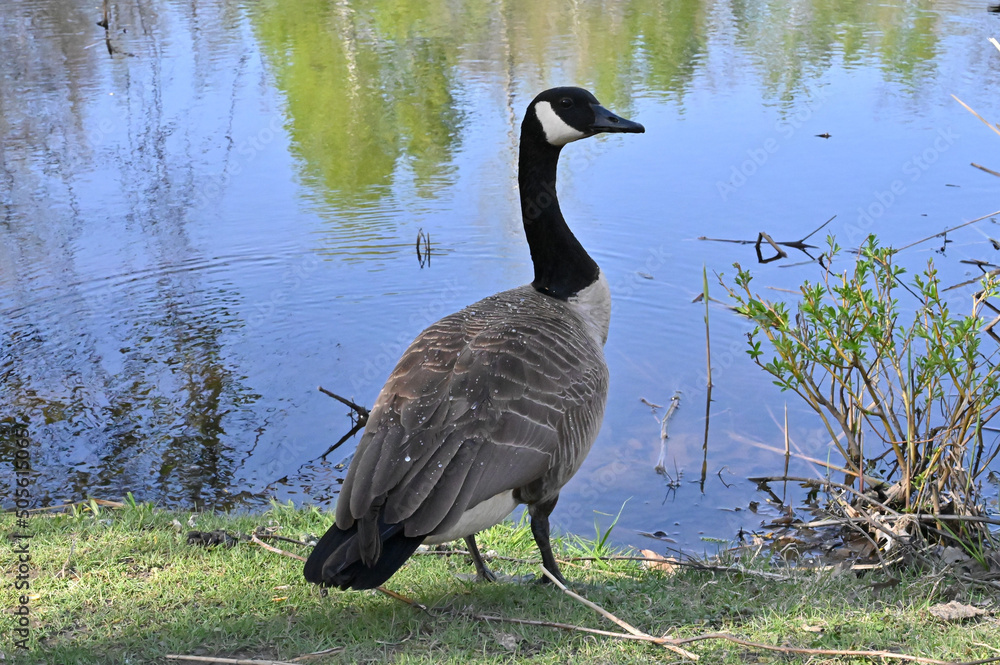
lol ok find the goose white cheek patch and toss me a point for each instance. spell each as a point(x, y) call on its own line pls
point(557, 132)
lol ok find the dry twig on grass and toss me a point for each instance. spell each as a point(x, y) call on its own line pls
point(662, 641)
point(892, 655)
point(317, 654)
point(226, 661)
point(269, 548)
point(403, 599)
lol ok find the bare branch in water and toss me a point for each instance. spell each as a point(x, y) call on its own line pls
point(362, 420)
point(799, 244)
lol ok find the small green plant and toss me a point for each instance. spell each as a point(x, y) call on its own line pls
point(908, 402)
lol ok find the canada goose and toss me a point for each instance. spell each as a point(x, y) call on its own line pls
point(493, 406)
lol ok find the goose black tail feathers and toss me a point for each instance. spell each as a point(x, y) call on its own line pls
point(336, 559)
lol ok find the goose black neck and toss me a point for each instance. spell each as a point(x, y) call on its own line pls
point(562, 266)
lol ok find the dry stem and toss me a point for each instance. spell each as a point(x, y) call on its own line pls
point(611, 617)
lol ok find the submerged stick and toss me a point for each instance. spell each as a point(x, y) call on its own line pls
point(991, 273)
point(661, 467)
point(983, 168)
point(799, 244)
point(947, 231)
point(106, 24)
point(708, 363)
point(981, 118)
point(424, 259)
point(871, 480)
point(360, 410)
point(781, 254)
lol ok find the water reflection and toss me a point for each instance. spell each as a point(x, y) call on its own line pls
point(369, 91)
point(114, 359)
point(198, 229)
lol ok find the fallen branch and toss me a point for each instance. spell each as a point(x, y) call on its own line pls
point(272, 536)
point(672, 644)
point(821, 482)
point(317, 654)
point(871, 481)
point(269, 548)
point(697, 565)
point(921, 517)
point(829, 652)
point(690, 563)
point(611, 617)
point(226, 661)
point(403, 599)
point(567, 626)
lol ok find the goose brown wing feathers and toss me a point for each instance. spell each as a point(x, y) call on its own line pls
point(496, 397)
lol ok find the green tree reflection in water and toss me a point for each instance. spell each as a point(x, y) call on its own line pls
point(369, 89)
point(373, 88)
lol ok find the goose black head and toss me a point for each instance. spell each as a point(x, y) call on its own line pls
point(568, 114)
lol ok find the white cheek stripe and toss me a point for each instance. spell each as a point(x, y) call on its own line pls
point(557, 132)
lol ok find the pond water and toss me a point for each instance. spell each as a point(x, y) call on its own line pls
point(212, 208)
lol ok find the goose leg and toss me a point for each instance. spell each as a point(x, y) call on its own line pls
point(483, 574)
point(540, 530)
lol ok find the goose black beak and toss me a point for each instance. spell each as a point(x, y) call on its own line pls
point(606, 121)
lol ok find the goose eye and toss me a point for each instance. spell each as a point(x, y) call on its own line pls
point(566, 102)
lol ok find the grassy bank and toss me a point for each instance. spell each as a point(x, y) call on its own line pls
point(124, 586)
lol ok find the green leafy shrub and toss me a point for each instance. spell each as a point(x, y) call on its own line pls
point(905, 392)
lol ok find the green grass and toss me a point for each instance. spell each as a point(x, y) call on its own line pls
point(123, 586)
